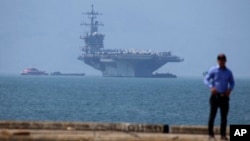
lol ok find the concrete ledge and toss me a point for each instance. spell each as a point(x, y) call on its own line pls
point(86, 126)
point(92, 126)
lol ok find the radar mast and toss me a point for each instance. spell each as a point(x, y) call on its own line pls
point(92, 15)
point(93, 40)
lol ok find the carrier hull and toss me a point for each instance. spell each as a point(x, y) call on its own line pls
point(125, 66)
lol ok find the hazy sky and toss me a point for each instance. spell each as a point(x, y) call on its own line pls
point(45, 33)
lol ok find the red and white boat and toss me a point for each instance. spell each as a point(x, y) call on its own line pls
point(33, 71)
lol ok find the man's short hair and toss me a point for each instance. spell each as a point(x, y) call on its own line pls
point(222, 57)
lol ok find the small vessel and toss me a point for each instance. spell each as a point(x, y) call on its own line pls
point(33, 71)
point(164, 75)
point(57, 73)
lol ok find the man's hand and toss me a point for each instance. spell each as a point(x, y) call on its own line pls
point(228, 92)
point(213, 90)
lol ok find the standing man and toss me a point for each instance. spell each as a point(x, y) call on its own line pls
point(220, 80)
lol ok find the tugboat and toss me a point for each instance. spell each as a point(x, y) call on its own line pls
point(33, 71)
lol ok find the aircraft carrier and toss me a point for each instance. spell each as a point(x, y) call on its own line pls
point(121, 62)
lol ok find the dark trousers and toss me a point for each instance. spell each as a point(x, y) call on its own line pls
point(222, 102)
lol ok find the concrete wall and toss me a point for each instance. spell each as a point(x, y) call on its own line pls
point(92, 126)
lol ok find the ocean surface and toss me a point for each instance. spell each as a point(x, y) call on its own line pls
point(181, 101)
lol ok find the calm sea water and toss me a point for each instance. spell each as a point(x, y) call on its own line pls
point(138, 100)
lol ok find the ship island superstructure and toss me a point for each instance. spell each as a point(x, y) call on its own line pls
point(120, 62)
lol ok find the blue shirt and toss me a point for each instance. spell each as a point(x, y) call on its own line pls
point(220, 78)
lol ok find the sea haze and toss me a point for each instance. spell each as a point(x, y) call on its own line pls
point(181, 101)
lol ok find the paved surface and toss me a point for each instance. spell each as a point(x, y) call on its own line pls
point(91, 131)
point(62, 135)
